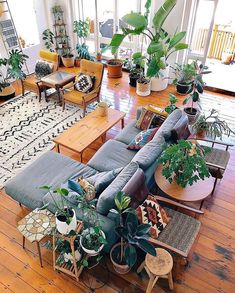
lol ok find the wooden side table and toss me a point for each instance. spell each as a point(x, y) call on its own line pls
point(159, 266)
point(35, 226)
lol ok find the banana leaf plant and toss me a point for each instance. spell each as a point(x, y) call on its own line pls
point(132, 233)
point(161, 44)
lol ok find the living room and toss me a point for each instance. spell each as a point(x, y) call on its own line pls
point(117, 158)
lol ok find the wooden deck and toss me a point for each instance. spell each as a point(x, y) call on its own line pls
point(211, 268)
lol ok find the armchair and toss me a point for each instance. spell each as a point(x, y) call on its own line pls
point(31, 82)
point(83, 99)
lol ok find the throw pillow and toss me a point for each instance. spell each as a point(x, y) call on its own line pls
point(84, 83)
point(142, 139)
point(75, 186)
point(102, 180)
point(89, 189)
point(43, 68)
point(150, 212)
point(151, 117)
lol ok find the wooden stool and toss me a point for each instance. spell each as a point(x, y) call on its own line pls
point(159, 266)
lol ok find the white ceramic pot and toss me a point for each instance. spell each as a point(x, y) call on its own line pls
point(160, 83)
point(63, 227)
point(90, 251)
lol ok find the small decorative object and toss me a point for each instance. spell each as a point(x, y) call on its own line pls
point(48, 38)
point(22, 42)
point(212, 125)
point(114, 67)
point(65, 216)
point(196, 88)
point(143, 88)
point(89, 188)
point(98, 56)
point(13, 70)
point(123, 255)
point(184, 162)
point(103, 109)
point(92, 240)
point(170, 108)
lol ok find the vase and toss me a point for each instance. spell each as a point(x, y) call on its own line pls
point(92, 252)
point(63, 227)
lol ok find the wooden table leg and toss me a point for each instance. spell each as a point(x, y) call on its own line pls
point(122, 121)
point(57, 148)
point(23, 242)
point(39, 253)
point(58, 94)
point(81, 156)
point(170, 281)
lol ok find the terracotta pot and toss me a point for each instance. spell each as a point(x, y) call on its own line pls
point(8, 92)
point(77, 62)
point(68, 62)
point(98, 56)
point(143, 89)
point(114, 67)
point(103, 109)
point(119, 268)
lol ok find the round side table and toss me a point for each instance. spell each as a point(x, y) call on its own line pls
point(159, 266)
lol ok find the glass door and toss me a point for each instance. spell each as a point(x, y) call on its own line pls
point(203, 15)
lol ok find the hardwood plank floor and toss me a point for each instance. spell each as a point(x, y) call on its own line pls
point(211, 267)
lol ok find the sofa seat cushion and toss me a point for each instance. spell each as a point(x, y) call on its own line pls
point(50, 169)
point(150, 152)
point(112, 155)
point(106, 199)
point(128, 133)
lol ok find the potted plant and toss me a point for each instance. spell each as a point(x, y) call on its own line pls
point(161, 44)
point(196, 88)
point(211, 125)
point(98, 56)
point(137, 68)
point(48, 38)
point(68, 59)
point(171, 107)
point(143, 86)
point(123, 254)
point(114, 67)
point(13, 70)
point(82, 29)
point(82, 53)
point(65, 216)
point(184, 163)
point(184, 76)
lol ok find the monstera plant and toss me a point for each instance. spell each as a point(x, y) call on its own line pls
point(161, 44)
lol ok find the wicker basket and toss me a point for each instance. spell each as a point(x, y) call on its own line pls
point(102, 109)
point(143, 89)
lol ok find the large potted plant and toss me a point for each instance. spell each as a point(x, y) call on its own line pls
point(184, 163)
point(184, 76)
point(65, 216)
point(161, 44)
point(11, 68)
point(211, 125)
point(123, 254)
point(196, 88)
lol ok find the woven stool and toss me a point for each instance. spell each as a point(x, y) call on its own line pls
point(159, 266)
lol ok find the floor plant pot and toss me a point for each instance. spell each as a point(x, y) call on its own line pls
point(92, 252)
point(192, 114)
point(182, 88)
point(160, 83)
point(7, 93)
point(62, 226)
point(133, 80)
point(143, 89)
point(114, 67)
point(68, 61)
point(119, 268)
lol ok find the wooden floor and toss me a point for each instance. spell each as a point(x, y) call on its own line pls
point(212, 261)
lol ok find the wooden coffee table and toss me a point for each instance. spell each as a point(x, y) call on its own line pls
point(82, 134)
point(191, 193)
point(57, 80)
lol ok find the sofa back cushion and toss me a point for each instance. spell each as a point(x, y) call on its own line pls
point(106, 199)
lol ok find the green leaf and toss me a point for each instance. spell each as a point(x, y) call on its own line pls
point(136, 55)
point(186, 100)
point(135, 20)
point(155, 47)
point(142, 229)
point(64, 191)
point(153, 68)
point(130, 255)
point(176, 39)
point(181, 46)
point(195, 96)
point(45, 187)
point(146, 246)
point(162, 13)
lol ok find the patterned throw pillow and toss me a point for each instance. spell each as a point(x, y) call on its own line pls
point(43, 68)
point(150, 212)
point(84, 83)
point(151, 117)
point(142, 139)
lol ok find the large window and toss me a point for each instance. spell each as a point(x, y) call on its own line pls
point(105, 19)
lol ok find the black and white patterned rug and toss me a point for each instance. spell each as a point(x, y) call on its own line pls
point(27, 129)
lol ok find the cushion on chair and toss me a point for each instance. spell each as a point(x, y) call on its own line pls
point(84, 83)
point(43, 68)
point(150, 212)
point(141, 139)
point(76, 97)
point(52, 57)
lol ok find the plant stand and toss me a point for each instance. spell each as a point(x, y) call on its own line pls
point(68, 268)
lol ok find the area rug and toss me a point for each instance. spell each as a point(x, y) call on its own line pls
point(27, 128)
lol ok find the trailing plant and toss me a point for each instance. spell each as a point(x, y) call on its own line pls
point(170, 108)
point(212, 125)
point(92, 238)
point(184, 162)
point(13, 66)
point(161, 45)
point(131, 233)
point(48, 38)
point(82, 52)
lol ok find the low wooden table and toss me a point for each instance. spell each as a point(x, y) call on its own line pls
point(191, 193)
point(82, 134)
point(57, 80)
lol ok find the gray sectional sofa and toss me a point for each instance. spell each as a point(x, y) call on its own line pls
point(55, 169)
